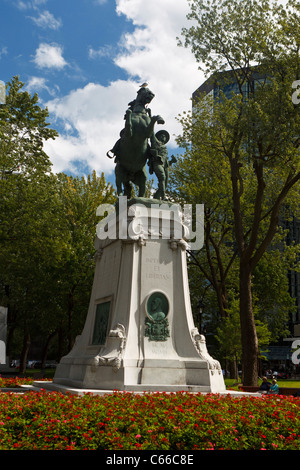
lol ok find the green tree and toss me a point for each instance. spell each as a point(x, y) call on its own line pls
point(79, 199)
point(26, 261)
point(23, 129)
point(229, 338)
point(27, 208)
point(47, 230)
point(253, 135)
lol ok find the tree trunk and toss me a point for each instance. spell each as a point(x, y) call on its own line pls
point(10, 337)
point(46, 347)
point(25, 350)
point(70, 319)
point(233, 367)
point(248, 328)
point(60, 343)
point(11, 322)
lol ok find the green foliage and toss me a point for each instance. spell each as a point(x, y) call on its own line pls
point(242, 154)
point(271, 286)
point(29, 228)
point(23, 128)
point(228, 334)
point(73, 275)
point(47, 230)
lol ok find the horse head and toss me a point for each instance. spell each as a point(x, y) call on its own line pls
point(144, 97)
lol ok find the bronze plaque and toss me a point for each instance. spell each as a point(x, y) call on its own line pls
point(101, 323)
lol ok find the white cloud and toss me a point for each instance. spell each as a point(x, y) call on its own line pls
point(150, 53)
point(92, 117)
point(49, 56)
point(36, 3)
point(104, 51)
point(36, 84)
point(46, 20)
point(26, 5)
point(3, 51)
point(23, 5)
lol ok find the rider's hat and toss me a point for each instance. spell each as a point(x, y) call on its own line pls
point(163, 132)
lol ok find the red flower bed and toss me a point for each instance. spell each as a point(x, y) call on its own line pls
point(160, 421)
point(13, 382)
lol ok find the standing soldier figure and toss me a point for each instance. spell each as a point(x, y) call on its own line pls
point(158, 161)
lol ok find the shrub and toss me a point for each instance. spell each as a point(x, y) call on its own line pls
point(160, 421)
point(13, 382)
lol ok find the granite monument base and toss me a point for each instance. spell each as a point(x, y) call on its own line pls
point(139, 333)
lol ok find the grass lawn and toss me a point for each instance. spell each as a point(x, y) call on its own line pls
point(232, 384)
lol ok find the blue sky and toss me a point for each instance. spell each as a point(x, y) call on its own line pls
point(74, 27)
point(86, 60)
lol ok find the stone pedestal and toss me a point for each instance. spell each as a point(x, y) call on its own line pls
point(3, 332)
point(139, 333)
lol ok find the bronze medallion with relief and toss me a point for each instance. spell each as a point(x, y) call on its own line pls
point(157, 309)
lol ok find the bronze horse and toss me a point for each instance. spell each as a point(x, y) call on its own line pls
point(131, 151)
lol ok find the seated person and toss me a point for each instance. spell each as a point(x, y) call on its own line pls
point(265, 386)
point(274, 387)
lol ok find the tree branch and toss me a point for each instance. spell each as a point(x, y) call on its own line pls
point(258, 167)
point(274, 220)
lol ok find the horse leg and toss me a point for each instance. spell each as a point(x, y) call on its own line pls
point(140, 180)
point(127, 189)
point(119, 179)
point(122, 181)
point(153, 121)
